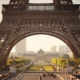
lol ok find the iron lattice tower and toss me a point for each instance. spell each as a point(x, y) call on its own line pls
point(22, 19)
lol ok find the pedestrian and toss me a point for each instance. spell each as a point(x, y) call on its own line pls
point(12, 71)
point(69, 69)
point(40, 77)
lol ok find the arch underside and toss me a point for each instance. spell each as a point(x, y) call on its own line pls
point(21, 32)
point(57, 34)
point(24, 33)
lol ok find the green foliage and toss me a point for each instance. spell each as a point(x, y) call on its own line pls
point(18, 61)
point(66, 56)
point(59, 61)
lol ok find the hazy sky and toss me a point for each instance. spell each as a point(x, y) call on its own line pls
point(43, 41)
point(39, 41)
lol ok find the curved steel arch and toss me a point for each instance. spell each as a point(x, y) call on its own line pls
point(24, 33)
point(63, 38)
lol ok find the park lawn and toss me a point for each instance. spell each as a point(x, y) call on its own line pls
point(35, 68)
point(48, 68)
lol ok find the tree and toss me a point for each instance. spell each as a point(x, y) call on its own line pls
point(66, 56)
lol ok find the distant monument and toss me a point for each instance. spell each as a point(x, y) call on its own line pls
point(64, 49)
point(41, 56)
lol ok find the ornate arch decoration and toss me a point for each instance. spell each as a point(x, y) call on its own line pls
point(55, 34)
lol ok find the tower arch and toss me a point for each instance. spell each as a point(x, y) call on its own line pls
point(61, 21)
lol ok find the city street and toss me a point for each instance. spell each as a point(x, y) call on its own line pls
point(35, 76)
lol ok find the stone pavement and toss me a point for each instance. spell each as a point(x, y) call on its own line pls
point(34, 76)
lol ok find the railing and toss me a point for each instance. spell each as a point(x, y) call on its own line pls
point(61, 75)
point(67, 76)
point(4, 76)
point(41, 7)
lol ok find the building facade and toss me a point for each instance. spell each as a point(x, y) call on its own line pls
point(20, 47)
point(41, 56)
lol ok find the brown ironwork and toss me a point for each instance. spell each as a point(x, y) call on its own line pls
point(23, 20)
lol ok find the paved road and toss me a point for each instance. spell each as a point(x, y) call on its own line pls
point(34, 76)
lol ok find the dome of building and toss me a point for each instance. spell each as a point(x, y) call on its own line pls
point(40, 51)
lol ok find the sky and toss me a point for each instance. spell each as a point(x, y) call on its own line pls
point(39, 41)
point(44, 42)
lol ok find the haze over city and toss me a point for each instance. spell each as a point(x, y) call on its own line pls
point(45, 42)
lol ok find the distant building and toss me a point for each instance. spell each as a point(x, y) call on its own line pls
point(53, 49)
point(64, 49)
point(21, 47)
point(41, 56)
point(12, 54)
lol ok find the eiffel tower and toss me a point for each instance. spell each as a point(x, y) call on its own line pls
point(22, 19)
